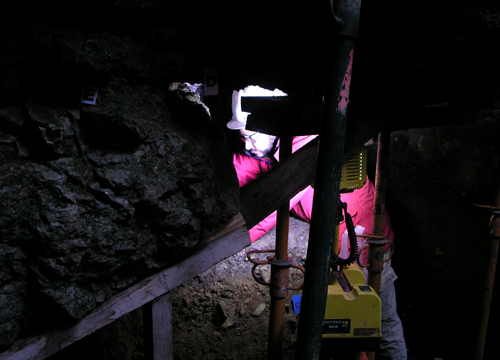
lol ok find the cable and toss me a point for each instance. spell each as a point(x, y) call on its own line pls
point(353, 242)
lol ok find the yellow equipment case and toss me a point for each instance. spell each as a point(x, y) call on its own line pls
point(352, 317)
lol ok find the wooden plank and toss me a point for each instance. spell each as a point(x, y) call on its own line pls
point(163, 341)
point(158, 332)
point(42, 346)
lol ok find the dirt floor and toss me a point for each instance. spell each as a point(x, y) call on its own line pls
point(224, 312)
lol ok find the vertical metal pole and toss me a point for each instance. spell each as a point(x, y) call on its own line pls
point(279, 270)
point(376, 251)
point(327, 183)
point(490, 277)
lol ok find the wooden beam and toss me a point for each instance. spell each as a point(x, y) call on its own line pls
point(158, 332)
point(282, 116)
point(216, 250)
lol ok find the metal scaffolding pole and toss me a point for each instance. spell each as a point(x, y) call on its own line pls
point(377, 247)
point(330, 155)
point(279, 270)
point(489, 280)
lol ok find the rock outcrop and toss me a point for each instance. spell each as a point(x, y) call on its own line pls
point(97, 197)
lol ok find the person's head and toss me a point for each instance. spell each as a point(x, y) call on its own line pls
point(257, 144)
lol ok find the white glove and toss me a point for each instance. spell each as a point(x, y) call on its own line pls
point(239, 119)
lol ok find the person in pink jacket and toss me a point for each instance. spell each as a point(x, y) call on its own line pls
point(249, 167)
point(260, 154)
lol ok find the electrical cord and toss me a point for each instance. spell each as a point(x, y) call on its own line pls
point(353, 242)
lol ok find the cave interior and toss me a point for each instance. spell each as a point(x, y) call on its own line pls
point(425, 72)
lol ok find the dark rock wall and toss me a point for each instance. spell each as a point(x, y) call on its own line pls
point(438, 176)
point(95, 197)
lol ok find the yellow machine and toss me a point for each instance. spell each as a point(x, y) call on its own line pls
point(353, 309)
point(352, 313)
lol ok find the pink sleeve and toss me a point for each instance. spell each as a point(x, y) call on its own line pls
point(360, 207)
point(265, 225)
point(303, 208)
point(360, 204)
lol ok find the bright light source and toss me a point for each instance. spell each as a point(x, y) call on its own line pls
point(255, 90)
